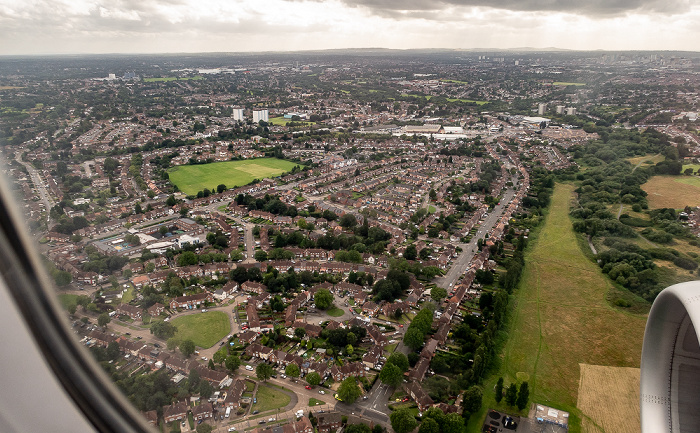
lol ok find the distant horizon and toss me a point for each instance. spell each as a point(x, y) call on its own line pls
point(67, 27)
point(518, 50)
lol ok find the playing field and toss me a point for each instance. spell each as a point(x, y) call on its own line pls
point(205, 329)
point(609, 399)
point(646, 159)
point(194, 178)
point(561, 317)
point(560, 83)
point(672, 191)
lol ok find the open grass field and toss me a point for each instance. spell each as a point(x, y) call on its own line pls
point(561, 318)
point(194, 178)
point(67, 299)
point(672, 191)
point(609, 399)
point(270, 399)
point(695, 167)
point(205, 329)
point(646, 159)
point(10, 87)
point(281, 121)
point(335, 312)
point(560, 83)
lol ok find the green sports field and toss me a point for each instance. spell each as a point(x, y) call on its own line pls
point(194, 178)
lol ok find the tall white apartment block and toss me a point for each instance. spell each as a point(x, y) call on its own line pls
point(571, 111)
point(237, 114)
point(560, 109)
point(541, 108)
point(259, 115)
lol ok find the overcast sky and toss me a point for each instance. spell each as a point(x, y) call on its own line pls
point(166, 26)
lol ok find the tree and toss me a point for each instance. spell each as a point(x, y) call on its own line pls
point(103, 319)
point(263, 371)
point(414, 338)
point(188, 258)
point(348, 391)
point(323, 299)
point(523, 396)
point(398, 359)
point(313, 378)
point(187, 348)
point(347, 221)
point(292, 370)
point(454, 423)
point(429, 425)
point(499, 390)
point(410, 253)
point(438, 294)
point(471, 401)
point(204, 428)
point(205, 389)
point(219, 357)
point(391, 375)
point(300, 333)
point(511, 394)
point(163, 329)
point(232, 362)
point(211, 365)
point(260, 256)
point(402, 421)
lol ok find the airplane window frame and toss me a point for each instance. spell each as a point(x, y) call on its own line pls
point(101, 403)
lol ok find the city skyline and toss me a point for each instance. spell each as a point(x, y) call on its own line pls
point(158, 26)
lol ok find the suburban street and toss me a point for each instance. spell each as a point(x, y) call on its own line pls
point(469, 250)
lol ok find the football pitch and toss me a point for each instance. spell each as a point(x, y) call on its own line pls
point(191, 179)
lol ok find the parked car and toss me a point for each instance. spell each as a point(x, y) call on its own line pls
point(307, 387)
point(232, 429)
point(256, 412)
point(321, 391)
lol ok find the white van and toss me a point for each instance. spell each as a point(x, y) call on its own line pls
point(249, 368)
point(228, 411)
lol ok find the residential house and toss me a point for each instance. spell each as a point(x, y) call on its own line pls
point(175, 412)
point(328, 422)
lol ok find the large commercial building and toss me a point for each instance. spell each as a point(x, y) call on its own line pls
point(259, 115)
point(670, 368)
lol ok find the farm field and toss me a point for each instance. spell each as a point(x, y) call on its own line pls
point(205, 329)
point(191, 179)
point(560, 83)
point(672, 191)
point(609, 399)
point(561, 318)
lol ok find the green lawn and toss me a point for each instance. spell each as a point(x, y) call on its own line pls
point(270, 399)
point(67, 300)
point(448, 99)
point(315, 402)
point(561, 319)
point(128, 296)
point(194, 178)
point(431, 209)
point(205, 329)
point(335, 312)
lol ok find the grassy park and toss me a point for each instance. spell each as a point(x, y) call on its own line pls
point(561, 83)
point(191, 179)
point(205, 329)
point(561, 318)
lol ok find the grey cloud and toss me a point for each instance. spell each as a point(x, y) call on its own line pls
point(397, 8)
